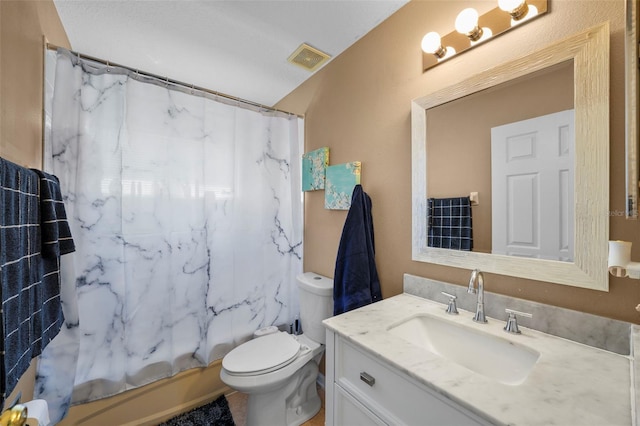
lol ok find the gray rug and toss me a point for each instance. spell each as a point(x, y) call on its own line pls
point(215, 413)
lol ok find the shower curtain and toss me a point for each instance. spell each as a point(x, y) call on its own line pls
point(187, 216)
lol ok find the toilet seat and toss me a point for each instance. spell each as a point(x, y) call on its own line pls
point(262, 355)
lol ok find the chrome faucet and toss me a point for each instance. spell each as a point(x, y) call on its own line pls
point(478, 280)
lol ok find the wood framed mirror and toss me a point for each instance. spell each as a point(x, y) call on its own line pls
point(589, 53)
point(632, 90)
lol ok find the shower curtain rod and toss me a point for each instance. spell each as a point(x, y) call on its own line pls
point(52, 46)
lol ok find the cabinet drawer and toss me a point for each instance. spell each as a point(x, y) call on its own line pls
point(394, 397)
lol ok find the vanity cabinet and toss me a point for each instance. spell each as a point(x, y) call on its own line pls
point(363, 390)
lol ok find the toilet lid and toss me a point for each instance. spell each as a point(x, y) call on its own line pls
point(262, 355)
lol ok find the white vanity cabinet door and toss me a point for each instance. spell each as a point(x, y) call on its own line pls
point(393, 397)
point(349, 411)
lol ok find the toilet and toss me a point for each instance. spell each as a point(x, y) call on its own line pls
point(279, 370)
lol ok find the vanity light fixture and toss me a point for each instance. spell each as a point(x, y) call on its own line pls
point(619, 263)
point(472, 29)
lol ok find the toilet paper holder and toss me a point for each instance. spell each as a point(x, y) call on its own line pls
point(23, 414)
point(14, 416)
point(619, 262)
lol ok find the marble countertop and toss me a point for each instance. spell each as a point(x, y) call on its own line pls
point(571, 383)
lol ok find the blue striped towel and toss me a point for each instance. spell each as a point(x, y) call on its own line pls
point(56, 241)
point(29, 282)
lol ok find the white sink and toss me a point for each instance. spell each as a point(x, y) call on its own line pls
point(493, 357)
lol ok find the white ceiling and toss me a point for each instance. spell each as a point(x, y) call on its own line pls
point(236, 47)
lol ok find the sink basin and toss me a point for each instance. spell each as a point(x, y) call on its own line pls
point(493, 357)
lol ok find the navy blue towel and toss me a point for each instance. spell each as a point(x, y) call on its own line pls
point(56, 241)
point(450, 223)
point(20, 273)
point(56, 235)
point(31, 311)
point(355, 281)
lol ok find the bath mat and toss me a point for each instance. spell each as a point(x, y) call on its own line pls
point(215, 413)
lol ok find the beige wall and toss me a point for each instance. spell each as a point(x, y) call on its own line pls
point(23, 26)
point(359, 106)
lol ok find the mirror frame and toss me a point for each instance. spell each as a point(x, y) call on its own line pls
point(589, 51)
point(631, 107)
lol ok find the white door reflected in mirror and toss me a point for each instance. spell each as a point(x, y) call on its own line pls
point(532, 178)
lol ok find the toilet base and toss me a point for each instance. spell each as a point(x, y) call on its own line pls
point(293, 404)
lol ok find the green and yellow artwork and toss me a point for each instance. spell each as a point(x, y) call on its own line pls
point(314, 164)
point(340, 181)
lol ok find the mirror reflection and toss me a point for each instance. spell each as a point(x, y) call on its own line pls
point(584, 265)
point(513, 148)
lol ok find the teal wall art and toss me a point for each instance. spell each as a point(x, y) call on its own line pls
point(314, 164)
point(340, 181)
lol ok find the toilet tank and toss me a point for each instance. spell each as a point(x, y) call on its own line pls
point(316, 304)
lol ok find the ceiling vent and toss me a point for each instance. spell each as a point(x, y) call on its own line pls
point(308, 57)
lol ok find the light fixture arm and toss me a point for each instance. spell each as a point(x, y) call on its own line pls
point(517, 10)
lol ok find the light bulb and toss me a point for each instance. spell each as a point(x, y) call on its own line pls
point(431, 43)
point(516, 8)
point(467, 20)
point(509, 5)
point(467, 24)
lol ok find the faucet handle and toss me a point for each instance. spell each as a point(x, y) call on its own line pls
point(451, 307)
point(512, 321)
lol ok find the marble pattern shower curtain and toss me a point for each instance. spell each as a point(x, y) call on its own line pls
point(187, 216)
